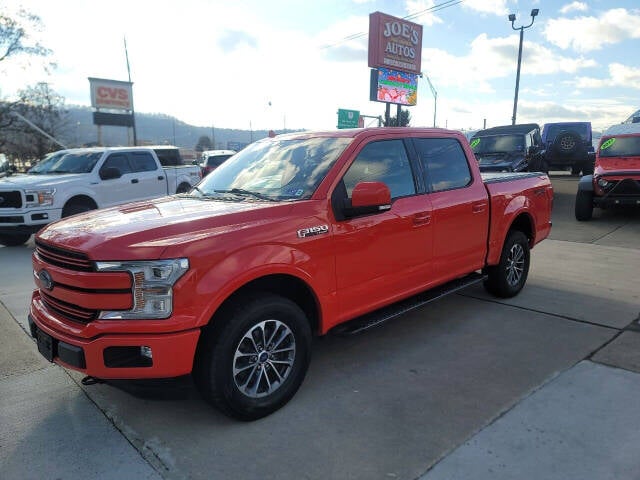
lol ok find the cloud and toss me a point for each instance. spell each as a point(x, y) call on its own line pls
point(619, 76)
point(495, 7)
point(232, 40)
point(493, 58)
point(574, 7)
point(584, 34)
point(427, 18)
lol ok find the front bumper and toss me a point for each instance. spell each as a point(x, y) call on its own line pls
point(18, 221)
point(617, 201)
point(114, 356)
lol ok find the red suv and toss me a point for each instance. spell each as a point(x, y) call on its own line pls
point(616, 177)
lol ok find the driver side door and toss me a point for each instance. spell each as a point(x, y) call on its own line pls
point(382, 256)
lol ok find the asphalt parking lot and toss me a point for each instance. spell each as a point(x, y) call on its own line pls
point(543, 385)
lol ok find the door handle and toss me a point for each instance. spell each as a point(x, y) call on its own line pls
point(478, 207)
point(423, 218)
point(134, 180)
point(160, 177)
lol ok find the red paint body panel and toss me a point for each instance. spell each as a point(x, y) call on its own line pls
point(355, 266)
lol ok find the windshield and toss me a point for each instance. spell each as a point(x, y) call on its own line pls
point(552, 131)
point(62, 162)
point(274, 169)
point(498, 144)
point(620, 147)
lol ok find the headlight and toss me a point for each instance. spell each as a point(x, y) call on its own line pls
point(602, 183)
point(39, 198)
point(152, 287)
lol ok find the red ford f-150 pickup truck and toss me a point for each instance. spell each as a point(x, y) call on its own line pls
point(292, 237)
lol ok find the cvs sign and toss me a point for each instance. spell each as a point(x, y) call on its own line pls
point(111, 94)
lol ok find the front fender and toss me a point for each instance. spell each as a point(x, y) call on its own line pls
point(221, 280)
point(586, 183)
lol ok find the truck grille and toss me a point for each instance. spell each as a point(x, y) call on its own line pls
point(627, 186)
point(64, 258)
point(10, 199)
point(67, 310)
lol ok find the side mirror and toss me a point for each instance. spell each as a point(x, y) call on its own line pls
point(195, 162)
point(110, 173)
point(371, 194)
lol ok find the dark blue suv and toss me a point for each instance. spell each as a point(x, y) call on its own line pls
point(509, 148)
point(569, 145)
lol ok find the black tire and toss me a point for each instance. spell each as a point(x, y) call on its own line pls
point(13, 239)
point(575, 169)
point(183, 188)
point(567, 142)
point(74, 208)
point(584, 205)
point(225, 345)
point(508, 277)
point(587, 167)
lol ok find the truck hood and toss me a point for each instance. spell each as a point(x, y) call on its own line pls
point(612, 165)
point(144, 230)
point(500, 160)
point(33, 181)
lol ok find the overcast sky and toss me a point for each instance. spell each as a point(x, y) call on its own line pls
point(270, 64)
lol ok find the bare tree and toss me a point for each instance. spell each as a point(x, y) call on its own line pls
point(15, 38)
point(44, 108)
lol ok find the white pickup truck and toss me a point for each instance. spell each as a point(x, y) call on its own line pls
point(81, 179)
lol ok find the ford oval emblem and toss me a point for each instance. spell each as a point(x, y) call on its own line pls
point(45, 279)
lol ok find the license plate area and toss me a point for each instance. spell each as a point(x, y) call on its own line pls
point(46, 345)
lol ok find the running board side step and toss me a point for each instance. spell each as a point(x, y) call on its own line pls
point(378, 317)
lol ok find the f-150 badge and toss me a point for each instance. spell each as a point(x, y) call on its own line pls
point(311, 231)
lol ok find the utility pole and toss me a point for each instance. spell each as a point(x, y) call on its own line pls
point(435, 99)
point(133, 113)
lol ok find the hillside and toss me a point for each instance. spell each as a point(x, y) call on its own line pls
point(151, 129)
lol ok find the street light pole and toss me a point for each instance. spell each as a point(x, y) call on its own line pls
point(435, 100)
point(512, 18)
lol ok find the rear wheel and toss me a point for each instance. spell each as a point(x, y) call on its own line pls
point(183, 188)
point(13, 239)
point(584, 205)
point(508, 277)
point(254, 355)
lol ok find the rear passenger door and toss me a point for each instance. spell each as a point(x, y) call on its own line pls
point(460, 207)
point(387, 254)
point(151, 179)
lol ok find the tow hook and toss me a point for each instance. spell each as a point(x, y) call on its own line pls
point(86, 381)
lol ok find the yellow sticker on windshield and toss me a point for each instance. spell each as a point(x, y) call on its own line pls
point(475, 142)
point(607, 144)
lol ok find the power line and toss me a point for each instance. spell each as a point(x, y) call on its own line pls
point(435, 8)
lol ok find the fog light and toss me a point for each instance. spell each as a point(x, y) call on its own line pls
point(146, 352)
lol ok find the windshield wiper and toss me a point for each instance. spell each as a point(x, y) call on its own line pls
point(242, 191)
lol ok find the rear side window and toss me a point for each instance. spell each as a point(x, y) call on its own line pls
point(216, 160)
point(119, 161)
point(143, 162)
point(383, 161)
point(169, 157)
point(444, 163)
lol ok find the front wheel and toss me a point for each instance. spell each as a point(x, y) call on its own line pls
point(254, 355)
point(13, 239)
point(584, 205)
point(508, 277)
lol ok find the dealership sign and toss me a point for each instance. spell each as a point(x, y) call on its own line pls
point(111, 94)
point(394, 43)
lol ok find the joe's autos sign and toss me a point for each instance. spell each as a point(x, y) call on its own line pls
point(110, 94)
point(394, 43)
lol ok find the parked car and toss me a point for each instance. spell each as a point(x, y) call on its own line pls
point(509, 148)
point(616, 177)
point(569, 145)
point(212, 159)
point(292, 237)
point(76, 180)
